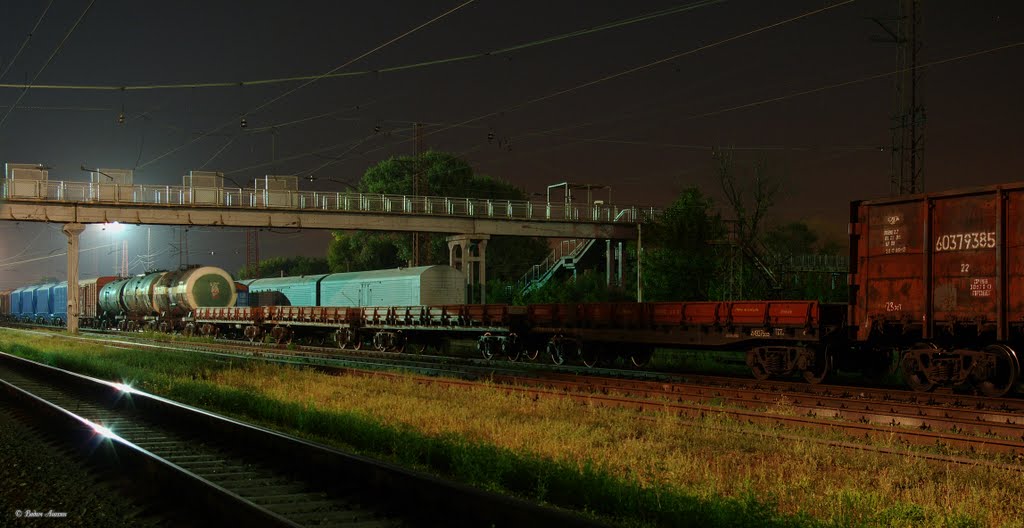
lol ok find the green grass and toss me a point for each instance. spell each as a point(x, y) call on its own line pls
point(594, 460)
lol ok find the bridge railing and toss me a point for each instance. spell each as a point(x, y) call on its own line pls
point(235, 198)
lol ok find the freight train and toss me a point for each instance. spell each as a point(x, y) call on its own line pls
point(936, 293)
point(157, 301)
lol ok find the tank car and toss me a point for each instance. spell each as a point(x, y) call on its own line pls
point(138, 294)
point(179, 293)
point(110, 301)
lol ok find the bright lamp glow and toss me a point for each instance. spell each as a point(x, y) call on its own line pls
point(113, 227)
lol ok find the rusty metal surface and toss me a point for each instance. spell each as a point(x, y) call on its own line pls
point(939, 265)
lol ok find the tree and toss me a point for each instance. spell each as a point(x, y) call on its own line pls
point(680, 261)
point(794, 238)
point(286, 266)
point(808, 263)
point(750, 205)
point(444, 175)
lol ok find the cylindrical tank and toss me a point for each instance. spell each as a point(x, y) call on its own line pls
point(110, 297)
point(181, 292)
point(138, 294)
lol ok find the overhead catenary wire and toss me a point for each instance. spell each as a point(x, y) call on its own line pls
point(389, 69)
point(648, 65)
point(311, 81)
point(48, 60)
point(629, 71)
point(25, 42)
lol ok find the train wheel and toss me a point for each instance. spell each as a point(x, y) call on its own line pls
point(280, 334)
point(556, 349)
point(1001, 370)
point(913, 368)
point(253, 333)
point(822, 366)
point(485, 345)
point(400, 342)
point(757, 366)
point(590, 354)
point(641, 357)
point(189, 330)
point(532, 351)
point(511, 347)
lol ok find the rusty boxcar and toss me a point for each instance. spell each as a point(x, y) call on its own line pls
point(939, 278)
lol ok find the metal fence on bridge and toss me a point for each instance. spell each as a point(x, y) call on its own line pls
point(235, 198)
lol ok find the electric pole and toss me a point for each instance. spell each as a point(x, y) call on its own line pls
point(907, 154)
point(419, 188)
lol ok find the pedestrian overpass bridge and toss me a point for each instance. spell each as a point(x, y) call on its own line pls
point(472, 220)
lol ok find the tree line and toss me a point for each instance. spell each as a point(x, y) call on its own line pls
point(690, 252)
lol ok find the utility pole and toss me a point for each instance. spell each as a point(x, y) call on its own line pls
point(906, 174)
point(419, 188)
point(183, 247)
point(252, 252)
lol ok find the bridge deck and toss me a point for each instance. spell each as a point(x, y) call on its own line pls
point(85, 202)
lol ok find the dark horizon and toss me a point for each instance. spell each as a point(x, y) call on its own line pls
point(558, 111)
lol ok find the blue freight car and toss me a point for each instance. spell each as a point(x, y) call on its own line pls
point(16, 303)
point(58, 304)
point(286, 291)
point(42, 305)
point(423, 285)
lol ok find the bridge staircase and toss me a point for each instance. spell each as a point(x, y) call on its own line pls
point(569, 256)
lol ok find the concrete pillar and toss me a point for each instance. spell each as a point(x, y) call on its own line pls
point(481, 248)
point(72, 231)
point(469, 254)
point(621, 256)
point(608, 263)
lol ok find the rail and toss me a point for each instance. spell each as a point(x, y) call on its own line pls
point(261, 199)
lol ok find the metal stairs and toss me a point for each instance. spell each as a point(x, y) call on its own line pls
point(566, 256)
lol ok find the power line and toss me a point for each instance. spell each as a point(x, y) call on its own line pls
point(648, 65)
point(390, 69)
point(311, 81)
point(724, 110)
point(28, 37)
point(50, 58)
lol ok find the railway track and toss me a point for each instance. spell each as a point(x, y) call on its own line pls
point(946, 421)
point(246, 475)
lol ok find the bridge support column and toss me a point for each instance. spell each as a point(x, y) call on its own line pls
point(469, 254)
point(72, 231)
point(621, 256)
point(608, 259)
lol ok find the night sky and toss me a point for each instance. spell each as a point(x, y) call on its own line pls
point(565, 110)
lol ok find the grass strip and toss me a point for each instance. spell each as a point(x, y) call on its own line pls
point(732, 484)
